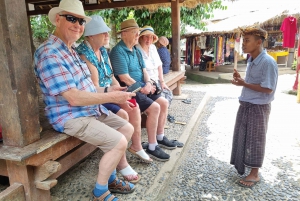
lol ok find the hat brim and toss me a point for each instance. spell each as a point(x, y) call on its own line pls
point(52, 14)
point(150, 33)
point(128, 29)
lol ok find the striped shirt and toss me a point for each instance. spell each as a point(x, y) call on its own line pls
point(59, 70)
point(263, 70)
point(125, 61)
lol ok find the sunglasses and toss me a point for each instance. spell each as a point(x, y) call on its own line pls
point(71, 18)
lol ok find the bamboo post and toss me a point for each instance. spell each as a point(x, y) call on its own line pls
point(235, 52)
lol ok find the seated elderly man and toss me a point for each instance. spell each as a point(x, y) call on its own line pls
point(73, 103)
point(128, 64)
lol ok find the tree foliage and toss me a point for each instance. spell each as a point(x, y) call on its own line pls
point(160, 20)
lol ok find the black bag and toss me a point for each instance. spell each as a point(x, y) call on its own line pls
point(158, 89)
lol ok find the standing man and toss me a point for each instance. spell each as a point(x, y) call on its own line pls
point(128, 65)
point(73, 103)
point(259, 85)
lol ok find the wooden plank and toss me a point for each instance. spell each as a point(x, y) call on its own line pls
point(49, 139)
point(24, 175)
point(173, 86)
point(175, 18)
point(102, 5)
point(73, 158)
point(18, 92)
point(14, 192)
point(177, 90)
point(53, 152)
point(3, 168)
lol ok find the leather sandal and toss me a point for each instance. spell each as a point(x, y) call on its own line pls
point(103, 196)
point(119, 186)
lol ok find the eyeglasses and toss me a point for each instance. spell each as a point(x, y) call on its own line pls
point(71, 18)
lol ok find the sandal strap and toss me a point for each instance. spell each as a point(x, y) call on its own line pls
point(117, 184)
point(104, 195)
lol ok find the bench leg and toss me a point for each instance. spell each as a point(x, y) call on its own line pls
point(23, 174)
point(177, 90)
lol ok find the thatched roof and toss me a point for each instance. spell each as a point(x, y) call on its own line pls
point(43, 6)
point(262, 18)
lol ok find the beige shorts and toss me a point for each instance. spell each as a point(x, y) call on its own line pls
point(101, 132)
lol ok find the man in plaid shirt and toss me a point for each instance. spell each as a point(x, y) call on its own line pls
point(73, 103)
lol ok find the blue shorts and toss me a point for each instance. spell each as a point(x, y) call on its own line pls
point(112, 107)
point(145, 101)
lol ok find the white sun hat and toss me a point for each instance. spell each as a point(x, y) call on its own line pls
point(71, 6)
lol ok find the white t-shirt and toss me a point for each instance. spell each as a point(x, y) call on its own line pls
point(152, 61)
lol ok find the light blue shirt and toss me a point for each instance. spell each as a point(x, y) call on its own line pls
point(263, 70)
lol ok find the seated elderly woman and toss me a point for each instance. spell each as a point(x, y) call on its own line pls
point(93, 52)
point(155, 72)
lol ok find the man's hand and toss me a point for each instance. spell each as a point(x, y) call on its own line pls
point(115, 88)
point(238, 81)
point(146, 89)
point(121, 97)
point(236, 74)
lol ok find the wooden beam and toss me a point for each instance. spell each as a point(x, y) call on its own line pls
point(105, 5)
point(73, 158)
point(46, 170)
point(24, 175)
point(18, 93)
point(175, 16)
point(13, 192)
point(3, 168)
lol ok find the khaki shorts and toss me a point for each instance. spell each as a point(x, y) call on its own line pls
point(101, 132)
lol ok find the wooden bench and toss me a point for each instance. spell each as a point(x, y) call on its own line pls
point(173, 81)
point(39, 164)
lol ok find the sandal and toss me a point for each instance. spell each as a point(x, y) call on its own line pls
point(108, 195)
point(119, 186)
point(130, 175)
point(141, 155)
point(187, 101)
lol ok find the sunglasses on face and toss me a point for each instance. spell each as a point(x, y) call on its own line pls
point(71, 18)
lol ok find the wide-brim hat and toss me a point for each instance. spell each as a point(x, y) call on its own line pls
point(257, 31)
point(163, 40)
point(128, 24)
point(148, 30)
point(70, 6)
point(96, 26)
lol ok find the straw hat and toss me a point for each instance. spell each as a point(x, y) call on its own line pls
point(128, 24)
point(146, 30)
point(71, 6)
point(163, 40)
point(96, 26)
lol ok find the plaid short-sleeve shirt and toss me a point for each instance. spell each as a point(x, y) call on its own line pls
point(58, 70)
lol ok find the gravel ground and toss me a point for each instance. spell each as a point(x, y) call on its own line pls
point(204, 172)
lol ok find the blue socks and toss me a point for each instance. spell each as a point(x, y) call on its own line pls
point(113, 176)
